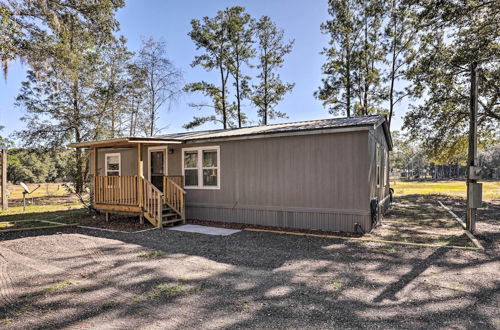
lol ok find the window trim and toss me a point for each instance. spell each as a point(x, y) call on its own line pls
point(106, 155)
point(199, 167)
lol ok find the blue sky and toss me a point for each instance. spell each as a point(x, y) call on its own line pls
point(170, 20)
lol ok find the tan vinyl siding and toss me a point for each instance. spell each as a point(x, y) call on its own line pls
point(128, 158)
point(317, 181)
point(308, 178)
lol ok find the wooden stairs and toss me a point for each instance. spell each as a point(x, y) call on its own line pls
point(170, 217)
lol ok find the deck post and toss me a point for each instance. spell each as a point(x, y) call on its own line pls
point(140, 166)
point(140, 176)
point(94, 175)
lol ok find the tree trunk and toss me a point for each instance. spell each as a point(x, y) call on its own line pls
point(365, 85)
point(223, 96)
point(348, 87)
point(393, 67)
point(265, 109)
point(238, 97)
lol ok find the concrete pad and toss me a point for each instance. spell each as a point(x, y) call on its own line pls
point(205, 230)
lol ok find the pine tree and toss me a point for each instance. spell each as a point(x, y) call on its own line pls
point(399, 40)
point(337, 90)
point(453, 35)
point(367, 75)
point(211, 36)
point(353, 56)
point(240, 52)
point(272, 49)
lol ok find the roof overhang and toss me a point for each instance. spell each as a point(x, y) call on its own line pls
point(132, 141)
point(122, 142)
point(387, 132)
point(314, 131)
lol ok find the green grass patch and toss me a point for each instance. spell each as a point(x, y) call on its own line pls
point(62, 216)
point(54, 287)
point(49, 290)
point(491, 189)
point(42, 212)
point(162, 290)
point(8, 225)
point(335, 284)
point(151, 254)
point(136, 299)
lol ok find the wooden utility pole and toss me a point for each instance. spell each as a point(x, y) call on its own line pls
point(3, 180)
point(471, 214)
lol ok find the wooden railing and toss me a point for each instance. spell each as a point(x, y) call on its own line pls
point(130, 191)
point(179, 179)
point(116, 190)
point(174, 196)
point(151, 202)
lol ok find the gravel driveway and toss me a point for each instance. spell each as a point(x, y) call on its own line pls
point(79, 278)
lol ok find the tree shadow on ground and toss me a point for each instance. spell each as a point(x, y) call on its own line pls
point(254, 280)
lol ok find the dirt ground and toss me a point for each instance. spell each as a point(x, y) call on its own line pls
point(421, 219)
point(79, 278)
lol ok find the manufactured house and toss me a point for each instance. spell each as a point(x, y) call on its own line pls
point(329, 174)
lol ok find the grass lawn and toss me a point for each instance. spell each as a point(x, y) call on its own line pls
point(49, 202)
point(24, 224)
point(491, 189)
point(50, 212)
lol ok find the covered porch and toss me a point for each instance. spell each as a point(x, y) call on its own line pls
point(133, 176)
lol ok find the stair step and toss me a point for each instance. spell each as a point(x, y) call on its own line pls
point(164, 222)
point(169, 215)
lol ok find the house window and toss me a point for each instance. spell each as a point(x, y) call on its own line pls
point(377, 161)
point(191, 168)
point(201, 167)
point(113, 165)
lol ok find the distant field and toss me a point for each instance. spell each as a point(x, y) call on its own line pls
point(45, 190)
point(45, 201)
point(491, 190)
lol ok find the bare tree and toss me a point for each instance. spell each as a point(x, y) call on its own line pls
point(162, 78)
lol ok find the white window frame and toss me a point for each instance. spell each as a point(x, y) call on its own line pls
point(165, 152)
point(119, 162)
point(199, 167)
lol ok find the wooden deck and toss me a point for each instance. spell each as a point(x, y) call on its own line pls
point(137, 195)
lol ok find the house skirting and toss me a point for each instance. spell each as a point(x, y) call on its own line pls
point(315, 219)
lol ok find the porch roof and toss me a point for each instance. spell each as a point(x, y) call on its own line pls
point(124, 141)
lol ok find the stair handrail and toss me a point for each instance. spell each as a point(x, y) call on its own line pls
point(153, 207)
point(175, 198)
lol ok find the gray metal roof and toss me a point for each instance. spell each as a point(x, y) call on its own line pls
point(331, 123)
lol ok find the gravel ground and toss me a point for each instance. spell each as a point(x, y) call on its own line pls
point(79, 278)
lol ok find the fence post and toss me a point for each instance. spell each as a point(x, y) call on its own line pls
point(3, 193)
